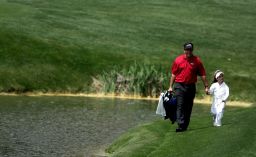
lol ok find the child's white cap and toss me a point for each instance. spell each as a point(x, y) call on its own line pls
point(218, 74)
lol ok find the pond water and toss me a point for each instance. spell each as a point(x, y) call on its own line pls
point(66, 126)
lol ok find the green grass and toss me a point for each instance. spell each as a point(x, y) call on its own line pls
point(235, 138)
point(58, 45)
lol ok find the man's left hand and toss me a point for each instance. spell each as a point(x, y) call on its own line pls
point(206, 90)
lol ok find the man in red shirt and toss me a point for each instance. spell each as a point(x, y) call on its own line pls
point(185, 70)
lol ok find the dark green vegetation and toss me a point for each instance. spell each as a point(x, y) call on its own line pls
point(235, 138)
point(58, 45)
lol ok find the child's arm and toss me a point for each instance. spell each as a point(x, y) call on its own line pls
point(225, 97)
point(211, 90)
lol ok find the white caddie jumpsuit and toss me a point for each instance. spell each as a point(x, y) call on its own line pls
point(220, 94)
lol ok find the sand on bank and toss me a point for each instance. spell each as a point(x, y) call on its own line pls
point(206, 100)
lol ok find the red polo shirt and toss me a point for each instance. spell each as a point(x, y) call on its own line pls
point(186, 70)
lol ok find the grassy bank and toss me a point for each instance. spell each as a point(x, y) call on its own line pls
point(235, 138)
point(57, 46)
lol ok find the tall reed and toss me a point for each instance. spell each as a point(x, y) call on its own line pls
point(136, 80)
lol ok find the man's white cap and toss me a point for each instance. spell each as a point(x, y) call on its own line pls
point(218, 74)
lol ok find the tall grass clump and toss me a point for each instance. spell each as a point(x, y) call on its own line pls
point(136, 80)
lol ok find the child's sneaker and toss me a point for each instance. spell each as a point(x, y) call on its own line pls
point(216, 124)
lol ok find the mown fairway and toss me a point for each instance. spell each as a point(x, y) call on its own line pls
point(57, 45)
point(236, 138)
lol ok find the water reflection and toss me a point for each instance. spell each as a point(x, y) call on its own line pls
point(66, 126)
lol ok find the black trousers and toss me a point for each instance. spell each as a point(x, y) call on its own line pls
point(185, 94)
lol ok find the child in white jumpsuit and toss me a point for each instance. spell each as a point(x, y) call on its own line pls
point(220, 92)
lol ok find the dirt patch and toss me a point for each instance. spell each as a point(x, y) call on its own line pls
point(205, 101)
